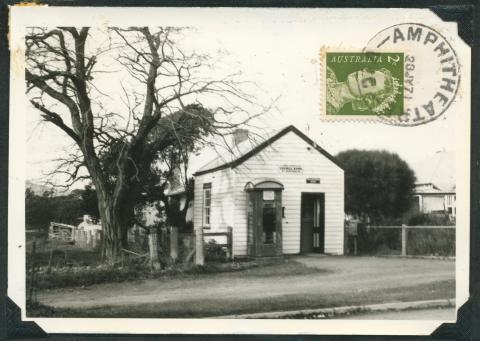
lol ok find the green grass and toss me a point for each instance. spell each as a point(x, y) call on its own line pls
point(217, 307)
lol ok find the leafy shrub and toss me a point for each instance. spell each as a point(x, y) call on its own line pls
point(82, 276)
point(85, 276)
point(378, 241)
point(214, 252)
point(431, 219)
point(436, 242)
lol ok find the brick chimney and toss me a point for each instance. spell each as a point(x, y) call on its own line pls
point(239, 135)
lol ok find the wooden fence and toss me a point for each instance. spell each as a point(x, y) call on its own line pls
point(229, 240)
point(60, 231)
point(404, 232)
point(194, 243)
point(86, 239)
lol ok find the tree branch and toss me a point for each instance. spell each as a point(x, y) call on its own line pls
point(55, 118)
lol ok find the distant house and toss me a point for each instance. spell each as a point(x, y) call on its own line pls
point(282, 196)
point(429, 198)
point(88, 224)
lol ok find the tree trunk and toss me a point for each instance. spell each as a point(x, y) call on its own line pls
point(116, 208)
point(112, 241)
point(114, 230)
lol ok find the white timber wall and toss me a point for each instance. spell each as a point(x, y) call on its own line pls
point(290, 149)
point(221, 209)
point(433, 203)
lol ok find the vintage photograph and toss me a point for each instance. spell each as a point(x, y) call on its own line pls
point(277, 167)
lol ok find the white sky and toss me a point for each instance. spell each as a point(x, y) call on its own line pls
point(281, 55)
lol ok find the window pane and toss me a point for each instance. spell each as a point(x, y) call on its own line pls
point(206, 206)
point(207, 216)
point(269, 223)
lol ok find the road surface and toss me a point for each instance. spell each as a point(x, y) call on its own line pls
point(347, 276)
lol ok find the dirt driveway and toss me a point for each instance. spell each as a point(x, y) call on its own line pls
point(339, 275)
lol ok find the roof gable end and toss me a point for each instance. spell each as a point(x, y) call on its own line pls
point(267, 143)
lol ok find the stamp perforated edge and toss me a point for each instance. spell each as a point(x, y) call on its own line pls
point(323, 86)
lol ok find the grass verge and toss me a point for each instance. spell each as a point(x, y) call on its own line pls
point(211, 306)
point(87, 276)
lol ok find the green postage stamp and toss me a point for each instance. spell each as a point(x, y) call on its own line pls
point(363, 84)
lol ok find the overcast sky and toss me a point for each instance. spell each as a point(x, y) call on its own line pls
point(281, 55)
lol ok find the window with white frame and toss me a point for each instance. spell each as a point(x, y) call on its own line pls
point(207, 202)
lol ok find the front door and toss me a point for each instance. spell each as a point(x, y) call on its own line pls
point(312, 231)
point(268, 223)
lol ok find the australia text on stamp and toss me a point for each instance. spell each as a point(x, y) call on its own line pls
point(363, 84)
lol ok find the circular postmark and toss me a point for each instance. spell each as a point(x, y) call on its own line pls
point(431, 71)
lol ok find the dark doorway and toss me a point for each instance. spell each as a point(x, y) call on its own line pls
point(312, 228)
point(264, 218)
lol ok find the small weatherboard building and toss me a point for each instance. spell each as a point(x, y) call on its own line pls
point(428, 198)
point(282, 196)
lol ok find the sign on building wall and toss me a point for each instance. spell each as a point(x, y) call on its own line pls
point(268, 195)
point(313, 180)
point(291, 169)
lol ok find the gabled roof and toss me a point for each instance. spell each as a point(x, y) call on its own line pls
point(427, 185)
point(216, 165)
point(431, 188)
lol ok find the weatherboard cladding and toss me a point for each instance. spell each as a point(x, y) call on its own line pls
point(228, 207)
point(265, 144)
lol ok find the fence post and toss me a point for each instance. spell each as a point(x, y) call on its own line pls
point(32, 273)
point(229, 242)
point(153, 248)
point(136, 235)
point(95, 239)
point(199, 257)
point(174, 243)
point(355, 248)
point(80, 238)
point(404, 240)
point(89, 239)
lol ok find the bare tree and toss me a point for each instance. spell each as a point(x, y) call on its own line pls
point(162, 96)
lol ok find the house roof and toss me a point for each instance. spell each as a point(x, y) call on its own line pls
point(219, 163)
point(431, 188)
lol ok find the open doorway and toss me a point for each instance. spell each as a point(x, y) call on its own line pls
point(312, 227)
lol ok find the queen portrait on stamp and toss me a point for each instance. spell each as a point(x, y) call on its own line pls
point(366, 90)
point(364, 84)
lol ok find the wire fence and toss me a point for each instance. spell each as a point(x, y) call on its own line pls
point(407, 240)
